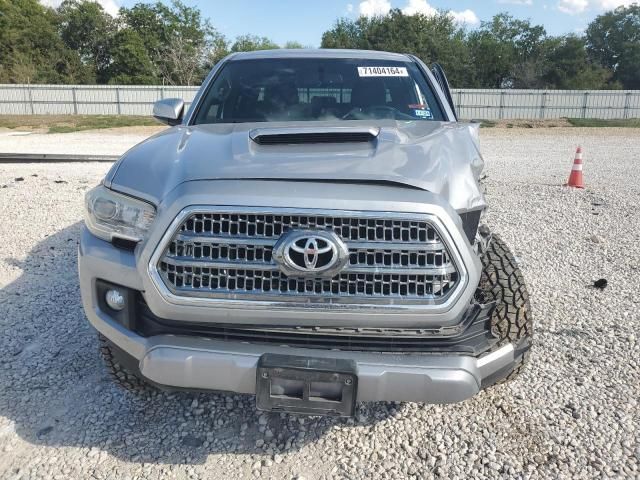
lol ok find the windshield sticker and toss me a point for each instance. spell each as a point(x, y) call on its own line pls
point(423, 113)
point(382, 72)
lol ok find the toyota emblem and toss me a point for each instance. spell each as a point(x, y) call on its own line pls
point(310, 253)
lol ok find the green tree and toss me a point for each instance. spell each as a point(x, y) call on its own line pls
point(218, 49)
point(130, 60)
point(31, 50)
point(492, 60)
point(613, 40)
point(172, 35)
point(293, 45)
point(508, 53)
point(172, 43)
point(434, 38)
point(345, 34)
point(86, 28)
point(569, 67)
point(250, 43)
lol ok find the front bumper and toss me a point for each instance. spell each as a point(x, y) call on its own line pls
point(196, 362)
point(193, 363)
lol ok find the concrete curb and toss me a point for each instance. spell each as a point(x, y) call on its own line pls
point(54, 158)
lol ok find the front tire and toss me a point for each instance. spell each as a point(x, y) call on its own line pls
point(511, 321)
point(121, 368)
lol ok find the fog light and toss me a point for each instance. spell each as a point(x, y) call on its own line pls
point(115, 300)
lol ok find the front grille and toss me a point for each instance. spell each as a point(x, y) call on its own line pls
point(229, 254)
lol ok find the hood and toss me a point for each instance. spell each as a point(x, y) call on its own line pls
point(442, 158)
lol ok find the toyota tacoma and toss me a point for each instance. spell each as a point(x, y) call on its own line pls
point(307, 231)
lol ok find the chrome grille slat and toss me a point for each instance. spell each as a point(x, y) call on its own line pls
point(398, 259)
point(275, 283)
point(425, 247)
point(225, 239)
point(274, 225)
point(199, 263)
point(230, 255)
point(439, 271)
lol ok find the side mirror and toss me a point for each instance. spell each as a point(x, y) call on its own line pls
point(169, 111)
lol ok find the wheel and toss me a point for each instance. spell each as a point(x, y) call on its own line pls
point(511, 320)
point(115, 360)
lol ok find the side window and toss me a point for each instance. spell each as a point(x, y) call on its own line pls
point(213, 105)
point(212, 113)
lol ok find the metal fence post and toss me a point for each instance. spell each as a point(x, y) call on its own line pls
point(30, 94)
point(118, 101)
point(501, 111)
point(75, 101)
point(627, 105)
point(543, 104)
point(585, 102)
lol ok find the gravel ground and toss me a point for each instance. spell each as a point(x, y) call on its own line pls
point(113, 141)
point(574, 413)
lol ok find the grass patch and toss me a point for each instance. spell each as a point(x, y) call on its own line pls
point(487, 124)
point(595, 122)
point(73, 123)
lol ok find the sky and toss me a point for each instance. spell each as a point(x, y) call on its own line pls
point(305, 21)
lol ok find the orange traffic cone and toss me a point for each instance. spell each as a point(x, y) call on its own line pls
point(575, 179)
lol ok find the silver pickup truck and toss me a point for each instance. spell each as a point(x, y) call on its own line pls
point(308, 231)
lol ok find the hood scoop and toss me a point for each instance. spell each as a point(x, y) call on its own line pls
point(311, 135)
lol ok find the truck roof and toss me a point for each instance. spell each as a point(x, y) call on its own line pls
point(320, 53)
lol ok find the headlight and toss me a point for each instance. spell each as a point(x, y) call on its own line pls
point(109, 214)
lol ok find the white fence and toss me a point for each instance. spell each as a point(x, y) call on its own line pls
point(471, 104)
point(547, 104)
point(86, 99)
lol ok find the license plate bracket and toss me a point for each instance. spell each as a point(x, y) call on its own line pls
point(306, 385)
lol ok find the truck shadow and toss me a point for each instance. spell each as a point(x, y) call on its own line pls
point(55, 391)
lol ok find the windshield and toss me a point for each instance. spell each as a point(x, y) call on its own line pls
point(305, 89)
